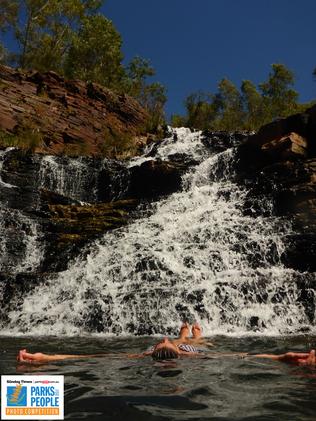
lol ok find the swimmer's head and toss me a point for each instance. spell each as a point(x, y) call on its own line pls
point(165, 350)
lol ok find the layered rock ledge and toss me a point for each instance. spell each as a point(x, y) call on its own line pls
point(59, 116)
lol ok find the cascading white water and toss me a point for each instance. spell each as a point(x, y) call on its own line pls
point(196, 257)
point(70, 178)
point(180, 141)
point(20, 245)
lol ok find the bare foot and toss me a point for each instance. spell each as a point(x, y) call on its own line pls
point(196, 331)
point(184, 330)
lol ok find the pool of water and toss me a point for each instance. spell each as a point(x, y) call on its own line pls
point(118, 388)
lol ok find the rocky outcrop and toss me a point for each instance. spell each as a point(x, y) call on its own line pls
point(48, 114)
point(280, 160)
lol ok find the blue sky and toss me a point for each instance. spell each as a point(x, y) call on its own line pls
point(193, 44)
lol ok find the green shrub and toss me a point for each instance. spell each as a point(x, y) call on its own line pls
point(27, 139)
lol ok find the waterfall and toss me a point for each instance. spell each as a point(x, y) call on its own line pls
point(193, 255)
point(82, 179)
point(71, 178)
point(20, 239)
point(20, 244)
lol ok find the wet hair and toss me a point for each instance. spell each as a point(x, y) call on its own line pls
point(164, 353)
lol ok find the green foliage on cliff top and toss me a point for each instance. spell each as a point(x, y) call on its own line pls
point(73, 39)
point(245, 109)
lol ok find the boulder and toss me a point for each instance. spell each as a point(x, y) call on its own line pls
point(287, 147)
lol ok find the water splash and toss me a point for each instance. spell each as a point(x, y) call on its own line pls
point(196, 257)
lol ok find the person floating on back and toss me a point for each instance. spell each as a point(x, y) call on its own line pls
point(166, 349)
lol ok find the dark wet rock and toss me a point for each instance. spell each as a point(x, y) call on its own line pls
point(280, 162)
point(221, 141)
point(301, 252)
point(52, 198)
point(62, 224)
point(288, 139)
point(69, 227)
point(155, 178)
point(182, 159)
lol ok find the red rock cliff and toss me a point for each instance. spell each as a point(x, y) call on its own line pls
point(71, 117)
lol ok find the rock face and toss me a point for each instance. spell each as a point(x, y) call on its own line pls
point(280, 160)
point(68, 117)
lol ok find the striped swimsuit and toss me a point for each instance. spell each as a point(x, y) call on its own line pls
point(182, 347)
point(189, 348)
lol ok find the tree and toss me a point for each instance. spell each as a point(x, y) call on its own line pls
point(8, 14)
point(245, 109)
point(43, 28)
point(3, 54)
point(228, 101)
point(202, 111)
point(178, 120)
point(253, 106)
point(95, 53)
point(314, 72)
point(279, 97)
point(73, 39)
point(137, 72)
point(151, 96)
